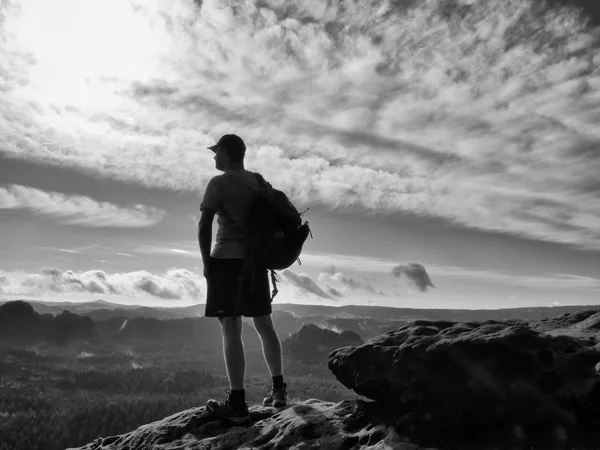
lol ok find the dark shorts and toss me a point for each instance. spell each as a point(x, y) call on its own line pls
point(232, 290)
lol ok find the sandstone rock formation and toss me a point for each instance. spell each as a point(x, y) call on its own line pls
point(448, 377)
point(311, 424)
point(580, 324)
point(313, 343)
point(432, 384)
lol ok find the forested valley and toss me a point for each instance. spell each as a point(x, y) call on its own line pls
point(64, 385)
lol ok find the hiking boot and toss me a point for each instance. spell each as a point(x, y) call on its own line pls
point(225, 409)
point(277, 397)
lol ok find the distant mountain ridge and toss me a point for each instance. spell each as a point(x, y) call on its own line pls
point(103, 310)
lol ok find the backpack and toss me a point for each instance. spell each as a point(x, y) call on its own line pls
point(276, 231)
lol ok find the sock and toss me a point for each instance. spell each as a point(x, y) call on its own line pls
point(278, 382)
point(238, 397)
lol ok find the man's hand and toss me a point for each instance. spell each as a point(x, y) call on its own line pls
point(206, 270)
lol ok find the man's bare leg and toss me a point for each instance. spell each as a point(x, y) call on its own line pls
point(233, 349)
point(271, 344)
point(272, 352)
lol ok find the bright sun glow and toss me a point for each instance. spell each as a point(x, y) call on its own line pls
point(78, 45)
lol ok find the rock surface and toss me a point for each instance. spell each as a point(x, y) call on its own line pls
point(313, 343)
point(454, 375)
point(584, 324)
point(311, 424)
point(434, 384)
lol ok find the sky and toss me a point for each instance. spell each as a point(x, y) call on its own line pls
point(448, 150)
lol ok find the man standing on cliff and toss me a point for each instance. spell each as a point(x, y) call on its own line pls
point(234, 287)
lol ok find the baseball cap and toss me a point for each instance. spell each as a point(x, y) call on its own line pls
point(232, 143)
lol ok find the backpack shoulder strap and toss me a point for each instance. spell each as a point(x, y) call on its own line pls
point(263, 183)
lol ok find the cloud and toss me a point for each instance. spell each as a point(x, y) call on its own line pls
point(416, 273)
point(332, 262)
point(330, 270)
point(174, 284)
point(547, 281)
point(78, 210)
point(331, 275)
point(481, 113)
point(306, 284)
point(74, 250)
point(165, 250)
point(334, 292)
point(358, 263)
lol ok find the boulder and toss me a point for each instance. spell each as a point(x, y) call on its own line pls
point(311, 424)
point(313, 343)
point(452, 374)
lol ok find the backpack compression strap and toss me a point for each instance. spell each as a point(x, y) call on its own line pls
point(274, 282)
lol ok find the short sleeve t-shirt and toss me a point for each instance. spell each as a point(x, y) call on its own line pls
point(231, 195)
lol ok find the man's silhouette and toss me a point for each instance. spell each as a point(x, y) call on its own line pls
point(235, 288)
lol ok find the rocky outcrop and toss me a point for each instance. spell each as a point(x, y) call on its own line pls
point(311, 424)
point(580, 324)
point(452, 376)
point(19, 321)
point(432, 384)
point(313, 343)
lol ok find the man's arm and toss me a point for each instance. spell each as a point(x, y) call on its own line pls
point(205, 234)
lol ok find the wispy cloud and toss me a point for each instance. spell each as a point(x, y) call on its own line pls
point(331, 275)
point(166, 250)
point(482, 113)
point(307, 285)
point(174, 284)
point(551, 280)
point(73, 250)
point(356, 263)
point(78, 210)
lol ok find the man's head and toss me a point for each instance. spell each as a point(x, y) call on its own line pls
point(230, 148)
